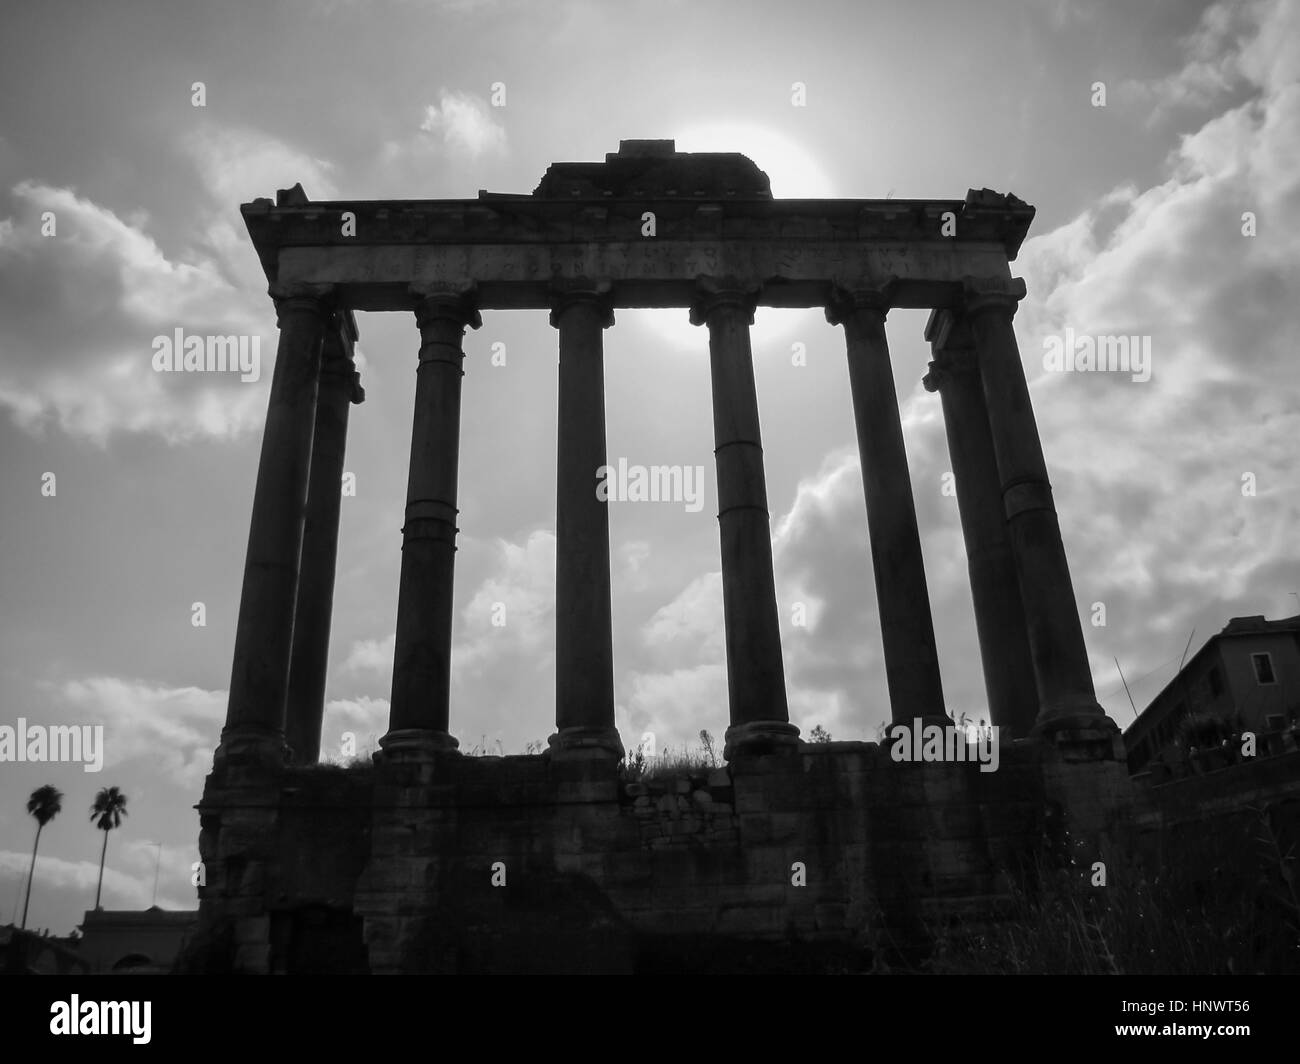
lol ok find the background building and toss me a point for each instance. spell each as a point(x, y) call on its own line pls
point(1245, 678)
point(38, 953)
point(131, 941)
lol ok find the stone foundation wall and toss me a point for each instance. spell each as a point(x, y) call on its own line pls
point(536, 863)
point(1242, 821)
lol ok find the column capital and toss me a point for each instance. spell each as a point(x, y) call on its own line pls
point(316, 298)
point(342, 371)
point(843, 302)
point(347, 324)
point(947, 363)
point(940, 326)
point(338, 367)
point(980, 294)
point(458, 302)
point(712, 293)
point(565, 294)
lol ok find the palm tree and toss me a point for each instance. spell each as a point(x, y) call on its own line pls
point(44, 804)
point(107, 813)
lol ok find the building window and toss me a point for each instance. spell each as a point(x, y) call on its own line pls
point(1216, 682)
point(1263, 668)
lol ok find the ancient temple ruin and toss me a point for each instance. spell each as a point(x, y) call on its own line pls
point(437, 861)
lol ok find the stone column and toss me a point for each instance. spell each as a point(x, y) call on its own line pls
point(584, 649)
point(420, 709)
point(1067, 699)
point(340, 387)
point(760, 717)
point(911, 660)
point(259, 675)
point(995, 587)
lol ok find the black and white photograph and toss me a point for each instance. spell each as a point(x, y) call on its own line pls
point(650, 488)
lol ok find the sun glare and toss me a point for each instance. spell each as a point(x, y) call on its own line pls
point(794, 174)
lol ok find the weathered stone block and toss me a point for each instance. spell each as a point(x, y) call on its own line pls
point(252, 959)
point(252, 929)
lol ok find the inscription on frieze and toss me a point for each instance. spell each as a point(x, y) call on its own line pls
point(659, 272)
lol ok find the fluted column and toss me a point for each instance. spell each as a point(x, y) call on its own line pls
point(259, 675)
point(995, 587)
point(420, 709)
point(340, 387)
point(1067, 699)
point(760, 717)
point(584, 647)
point(907, 628)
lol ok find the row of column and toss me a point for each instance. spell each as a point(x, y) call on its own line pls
point(1035, 664)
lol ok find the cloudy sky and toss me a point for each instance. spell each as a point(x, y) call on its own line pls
point(1141, 230)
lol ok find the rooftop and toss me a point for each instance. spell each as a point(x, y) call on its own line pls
point(655, 169)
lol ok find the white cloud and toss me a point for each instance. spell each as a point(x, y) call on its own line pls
point(464, 123)
point(632, 571)
point(521, 594)
point(675, 705)
point(365, 718)
point(174, 729)
point(78, 877)
point(237, 165)
point(371, 655)
point(1147, 476)
point(79, 310)
point(689, 628)
point(1213, 65)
